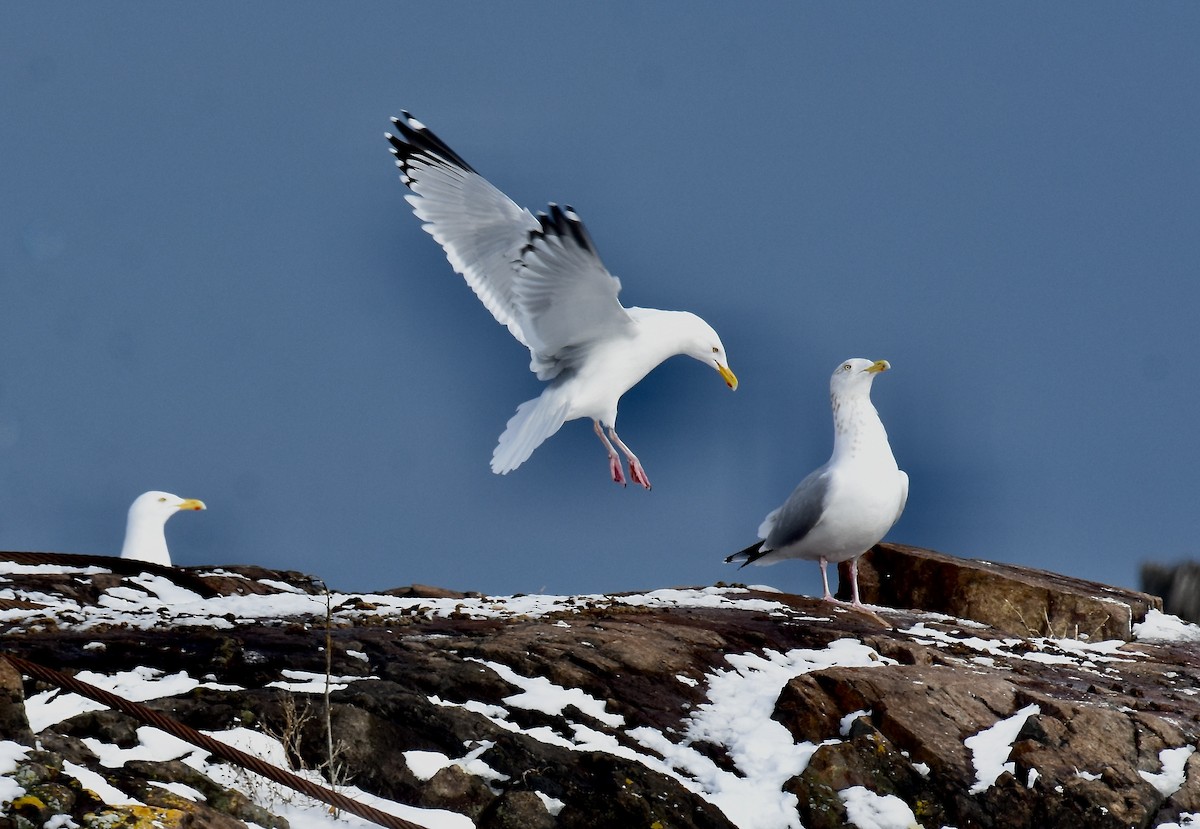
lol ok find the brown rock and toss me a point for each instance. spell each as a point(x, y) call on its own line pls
point(867, 759)
point(518, 810)
point(453, 789)
point(425, 591)
point(14, 725)
point(439, 684)
point(1018, 600)
point(223, 808)
point(925, 711)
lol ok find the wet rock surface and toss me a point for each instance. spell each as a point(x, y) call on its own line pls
point(589, 711)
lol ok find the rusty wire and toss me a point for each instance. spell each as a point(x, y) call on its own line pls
point(227, 752)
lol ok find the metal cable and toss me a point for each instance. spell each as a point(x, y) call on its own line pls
point(238, 757)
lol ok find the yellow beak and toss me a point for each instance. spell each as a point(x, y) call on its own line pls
point(878, 365)
point(192, 503)
point(728, 376)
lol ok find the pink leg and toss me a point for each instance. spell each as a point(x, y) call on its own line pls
point(825, 583)
point(614, 460)
point(636, 471)
point(854, 600)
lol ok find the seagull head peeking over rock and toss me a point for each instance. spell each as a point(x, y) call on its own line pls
point(145, 539)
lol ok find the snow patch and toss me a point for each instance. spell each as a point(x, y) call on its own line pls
point(12, 568)
point(1045, 650)
point(540, 694)
point(553, 804)
point(1162, 627)
point(183, 790)
point(103, 789)
point(10, 755)
point(737, 716)
point(1170, 779)
point(425, 764)
point(848, 720)
point(140, 684)
point(868, 810)
point(310, 682)
point(991, 746)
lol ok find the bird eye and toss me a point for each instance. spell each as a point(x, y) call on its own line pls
point(161, 500)
point(846, 367)
point(716, 350)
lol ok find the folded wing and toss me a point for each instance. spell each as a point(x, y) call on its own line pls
point(799, 514)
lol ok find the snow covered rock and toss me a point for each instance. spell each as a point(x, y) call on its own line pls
point(688, 707)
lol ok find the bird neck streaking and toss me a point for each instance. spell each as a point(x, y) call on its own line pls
point(857, 430)
point(146, 540)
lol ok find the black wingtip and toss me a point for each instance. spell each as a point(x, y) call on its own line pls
point(565, 223)
point(751, 554)
point(416, 140)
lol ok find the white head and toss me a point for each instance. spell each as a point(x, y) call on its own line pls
point(702, 343)
point(854, 376)
point(145, 539)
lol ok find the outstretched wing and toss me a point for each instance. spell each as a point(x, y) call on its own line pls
point(563, 291)
point(481, 229)
point(539, 276)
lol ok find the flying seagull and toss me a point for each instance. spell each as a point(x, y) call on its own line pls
point(542, 278)
point(144, 536)
point(845, 507)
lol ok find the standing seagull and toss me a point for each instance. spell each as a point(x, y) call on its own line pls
point(145, 539)
point(541, 277)
point(845, 507)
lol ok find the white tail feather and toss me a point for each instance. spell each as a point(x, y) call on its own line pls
point(534, 422)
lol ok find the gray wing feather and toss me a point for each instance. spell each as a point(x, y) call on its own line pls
point(799, 513)
point(563, 290)
point(481, 230)
point(538, 275)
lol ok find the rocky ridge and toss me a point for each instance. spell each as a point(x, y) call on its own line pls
point(1061, 703)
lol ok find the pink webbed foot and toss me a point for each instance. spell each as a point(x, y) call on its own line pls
point(637, 472)
point(614, 469)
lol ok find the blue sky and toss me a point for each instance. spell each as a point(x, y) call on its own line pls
point(210, 282)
